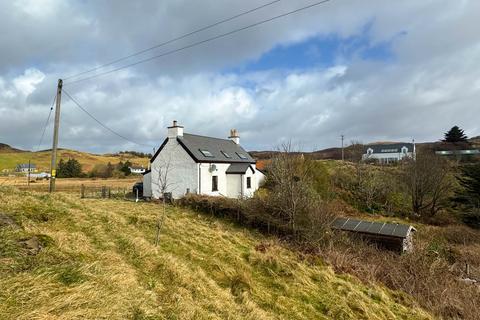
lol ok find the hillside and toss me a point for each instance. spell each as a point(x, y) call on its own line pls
point(9, 159)
point(64, 258)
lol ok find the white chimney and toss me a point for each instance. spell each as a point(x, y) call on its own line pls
point(234, 136)
point(175, 130)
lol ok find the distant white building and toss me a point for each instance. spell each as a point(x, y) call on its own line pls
point(25, 167)
point(188, 163)
point(137, 170)
point(389, 153)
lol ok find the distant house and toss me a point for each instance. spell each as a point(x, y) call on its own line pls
point(189, 163)
point(389, 153)
point(392, 236)
point(25, 167)
point(137, 170)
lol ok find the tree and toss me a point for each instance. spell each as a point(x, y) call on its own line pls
point(355, 151)
point(69, 169)
point(428, 181)
point(125, 167)
point(468, 197)
point(454, 135)
point(293, 202)
point(164, 183)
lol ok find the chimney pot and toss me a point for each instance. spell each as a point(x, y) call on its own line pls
point(234, 136)
point(175, 130)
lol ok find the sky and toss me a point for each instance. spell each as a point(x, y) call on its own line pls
point(371, 70)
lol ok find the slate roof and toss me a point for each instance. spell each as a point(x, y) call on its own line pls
point(216, 147)
point(375, 228)
point(25, 166)
point(238, 168)
point(388, 148)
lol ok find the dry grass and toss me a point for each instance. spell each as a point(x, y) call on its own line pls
point(98, 261)
point(41, 159)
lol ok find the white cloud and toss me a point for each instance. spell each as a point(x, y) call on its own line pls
point(430, 84)
point(26, 83)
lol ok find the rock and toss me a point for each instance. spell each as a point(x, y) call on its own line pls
point(33, 245)
point(7, 221)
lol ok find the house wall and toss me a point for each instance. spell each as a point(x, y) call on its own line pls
point(234, 185)
point(182, 171)
point(206, 178)
point(396, 156)
point(147, 185)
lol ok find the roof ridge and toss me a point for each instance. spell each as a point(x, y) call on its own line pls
point(202, 136)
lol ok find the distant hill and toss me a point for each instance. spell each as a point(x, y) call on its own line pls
point(10, 157)
point(4, 148)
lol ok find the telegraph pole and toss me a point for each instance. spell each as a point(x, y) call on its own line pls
point(53, 164)
point(343, 153)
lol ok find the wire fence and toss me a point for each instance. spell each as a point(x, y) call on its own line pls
point(86, 192)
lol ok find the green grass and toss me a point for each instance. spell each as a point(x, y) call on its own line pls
point(98, 261)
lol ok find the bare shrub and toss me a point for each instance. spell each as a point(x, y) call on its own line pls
point(428, 181)
point(293, 202)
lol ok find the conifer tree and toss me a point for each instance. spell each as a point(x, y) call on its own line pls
point(455, 134)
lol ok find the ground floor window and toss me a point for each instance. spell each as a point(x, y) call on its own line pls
point(214, 183)
point(249, 182)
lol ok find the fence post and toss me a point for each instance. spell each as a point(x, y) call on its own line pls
point(104, 191)
point(82, 191)
point(109, 192)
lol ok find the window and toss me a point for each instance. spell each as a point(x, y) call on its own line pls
point(225, 154)
point(249, 182)
point(214, 183)
point(241, 155)
point(206, 153)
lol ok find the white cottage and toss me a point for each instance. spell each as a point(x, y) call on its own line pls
point(189, 163)
point(389, 153)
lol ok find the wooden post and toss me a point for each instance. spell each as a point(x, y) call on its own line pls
point(53, 164)
point(28, 174)
point(104, 191)
point(82, 191)
point(109, 192)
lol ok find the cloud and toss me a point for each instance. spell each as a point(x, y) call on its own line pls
point(429, 84)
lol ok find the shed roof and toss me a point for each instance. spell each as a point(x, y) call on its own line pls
point(218, 150)
point(396, 230)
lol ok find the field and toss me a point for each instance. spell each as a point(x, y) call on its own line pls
point(9, 160)
point(62, 257)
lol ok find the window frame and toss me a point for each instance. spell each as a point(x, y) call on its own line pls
point(225, 154)
point(214, 183)
point(241, 156)
point(249, 182)
point(204, 151)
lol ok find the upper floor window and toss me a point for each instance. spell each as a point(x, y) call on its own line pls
point(241, 156)
point(206, 153)
point(226, 154)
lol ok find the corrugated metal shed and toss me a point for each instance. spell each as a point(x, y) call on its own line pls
point(392, 235)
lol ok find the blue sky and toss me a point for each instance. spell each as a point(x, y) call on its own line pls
point(320, 52)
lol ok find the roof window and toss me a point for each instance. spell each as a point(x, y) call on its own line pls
point(206, 153)
point(225, 154)
point(241, 155)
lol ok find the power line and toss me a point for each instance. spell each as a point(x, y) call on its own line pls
point(202, 41)
point(102, 124)
point(174, 39)
point(46, 125)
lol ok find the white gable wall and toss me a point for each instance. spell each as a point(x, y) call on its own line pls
point(182, 171)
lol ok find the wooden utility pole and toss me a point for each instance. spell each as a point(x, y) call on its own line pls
point(53, 164)
point(343, 153)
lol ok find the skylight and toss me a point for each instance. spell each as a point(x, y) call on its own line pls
point(226, 154)
point(241, 155)
point(206, 153)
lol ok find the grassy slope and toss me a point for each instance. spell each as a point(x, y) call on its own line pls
point(41, 159)
point(99, 262)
